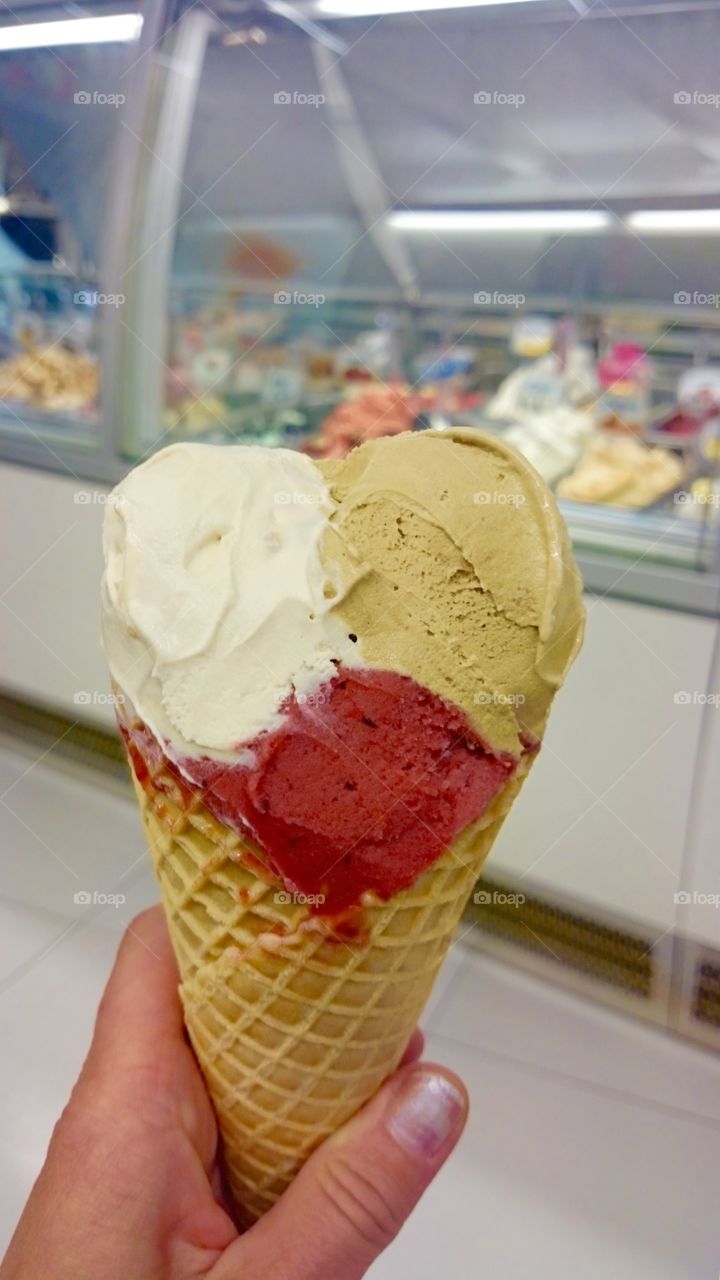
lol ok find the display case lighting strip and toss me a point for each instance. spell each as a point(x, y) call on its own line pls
point(367, 8)
point(107, 29)
point(674, 221)
point(500, 220)
point(566, 221)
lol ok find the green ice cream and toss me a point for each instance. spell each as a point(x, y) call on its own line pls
point(452, 563)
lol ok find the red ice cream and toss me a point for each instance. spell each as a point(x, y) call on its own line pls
point(364, 785)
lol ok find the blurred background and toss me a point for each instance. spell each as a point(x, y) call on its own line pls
point(308, 224)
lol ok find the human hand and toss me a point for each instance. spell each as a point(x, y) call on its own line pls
point(131, 1188)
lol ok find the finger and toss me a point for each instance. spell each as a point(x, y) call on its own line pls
point(415, 1046)
point(139, 1058)
point(140, 1009)
point(353, 1195)
point(131, 1156)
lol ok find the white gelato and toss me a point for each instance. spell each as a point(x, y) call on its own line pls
point(552, 441)
point(214, 601)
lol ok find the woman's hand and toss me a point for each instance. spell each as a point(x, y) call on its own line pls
point(131, 1189)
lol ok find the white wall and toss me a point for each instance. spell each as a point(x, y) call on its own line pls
point(50, 532)
point(699, 919)
point(604, 815)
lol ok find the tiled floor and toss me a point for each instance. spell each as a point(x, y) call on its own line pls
point(593, 1149)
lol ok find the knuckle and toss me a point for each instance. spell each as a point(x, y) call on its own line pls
point(79, 1130)
point(367, 1210)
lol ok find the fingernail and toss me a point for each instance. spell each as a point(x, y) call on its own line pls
point(426, 1110)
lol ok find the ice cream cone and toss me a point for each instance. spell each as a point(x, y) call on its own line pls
point(294, 1027)
point(335, 678)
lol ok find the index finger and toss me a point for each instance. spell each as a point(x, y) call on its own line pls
point(140, 1012)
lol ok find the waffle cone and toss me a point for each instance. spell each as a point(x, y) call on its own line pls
point(294, 1028)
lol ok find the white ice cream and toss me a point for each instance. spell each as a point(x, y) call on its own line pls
point(214, 600)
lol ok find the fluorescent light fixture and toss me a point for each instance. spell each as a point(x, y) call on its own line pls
point(364, 8)
point(674, 221)
point(112, 27)
point(499, 220)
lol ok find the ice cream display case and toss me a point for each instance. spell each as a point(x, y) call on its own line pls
point(311, 225)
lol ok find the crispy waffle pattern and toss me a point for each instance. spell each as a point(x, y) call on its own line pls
point(294, 1027)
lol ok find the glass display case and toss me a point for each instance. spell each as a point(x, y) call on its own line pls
point(308, 225)
point(62, 87)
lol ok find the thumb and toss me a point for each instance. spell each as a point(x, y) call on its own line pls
point(353, 1195)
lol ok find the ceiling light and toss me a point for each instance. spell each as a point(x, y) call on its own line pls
point(44, 35)
point(500, 221)
point(364, 8)
point(674, 221)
